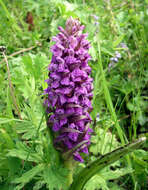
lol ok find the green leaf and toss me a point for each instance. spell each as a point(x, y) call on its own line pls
point(104, 161)
point(28, 176)
point(39, 184)
point(100, 180)
point(107, 51)
point(14, 165)
point(28, 63)
point(7, 120)
point(55, 177)
point(38, 65)
point(103, 142)
point(24, 152)
point(111, 175)
point(93, 53)
point(119, 40)
point(141, 158)
point(96, 182)
point(27, 128)
point(114, 186)
point(132, 107)
point(6, 187)
point(7, 138)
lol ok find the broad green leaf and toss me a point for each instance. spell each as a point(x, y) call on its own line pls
point(97, 182)
point(105, 160)
point(103, 142)
point(55, 177)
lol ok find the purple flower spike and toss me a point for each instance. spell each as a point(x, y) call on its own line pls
point(69, 90)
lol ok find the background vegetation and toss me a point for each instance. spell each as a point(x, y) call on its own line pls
point(118, 32)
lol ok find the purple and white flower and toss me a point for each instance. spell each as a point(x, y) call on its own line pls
point(114, 60)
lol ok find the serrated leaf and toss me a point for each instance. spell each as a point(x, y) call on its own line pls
point(38, 185)
point(27, 128)
point(55, 177)
point(28, 176)
point(114, 186)
point(111, 175)
point(103, 142)
point(141, 154)
point(100, 180)
point(24, 152)
point(96, 182)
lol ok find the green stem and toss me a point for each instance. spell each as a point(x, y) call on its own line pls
point(70, 164)
point(105, 160)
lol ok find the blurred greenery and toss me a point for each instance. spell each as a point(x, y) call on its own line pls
point(120, 90)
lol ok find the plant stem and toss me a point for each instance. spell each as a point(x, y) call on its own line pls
point(70, 164)
point(11, 88)
point(21, 51)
